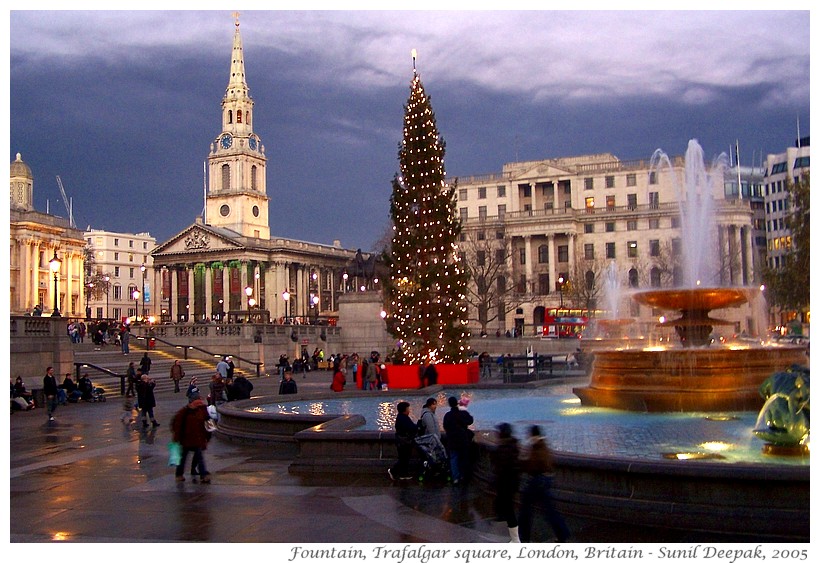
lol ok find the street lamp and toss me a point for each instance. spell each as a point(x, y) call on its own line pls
point(142, 269)
point(54, 266)
point(561, 290)
point(286, 297)
point(107, 288)
point(136, 297)
point(344, 277)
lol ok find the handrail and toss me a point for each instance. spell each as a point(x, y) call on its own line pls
point(187, 347)
point(80, 365)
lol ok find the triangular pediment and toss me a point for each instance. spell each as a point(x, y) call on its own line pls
point(542, 171)
point(197, 239)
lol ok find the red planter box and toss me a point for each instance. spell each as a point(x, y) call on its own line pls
point(407, 376)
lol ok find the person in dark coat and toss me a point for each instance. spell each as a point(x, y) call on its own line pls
point(188, 429)
point(430, 376)
point(145, 364)
point(50, 392)
point(538, 491)
point(133, 378)
point(240, 388)
point(405, 432)
point(287, 386)
point(506, 472)
point(459, 440)
point(147, 402)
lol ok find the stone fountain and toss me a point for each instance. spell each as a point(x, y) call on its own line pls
point(696, 374)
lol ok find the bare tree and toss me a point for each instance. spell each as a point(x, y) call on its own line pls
point(486, 255)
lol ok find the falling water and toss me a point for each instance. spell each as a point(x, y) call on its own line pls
point(696, 193)
point(612, 290)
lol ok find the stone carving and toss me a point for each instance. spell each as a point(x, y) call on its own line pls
point(197, 240)
point(784, 418)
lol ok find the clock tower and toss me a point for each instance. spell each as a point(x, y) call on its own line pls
point(236, 198)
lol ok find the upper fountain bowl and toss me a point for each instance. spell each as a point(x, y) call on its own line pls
point(694, 299)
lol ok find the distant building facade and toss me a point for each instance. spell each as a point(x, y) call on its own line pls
point(35, 239)
point(564, 219)
point(228, 263)
point(125, 259)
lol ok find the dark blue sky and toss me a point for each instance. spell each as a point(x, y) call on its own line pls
point(123, 105)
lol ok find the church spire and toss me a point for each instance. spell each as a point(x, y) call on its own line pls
point(237, 87)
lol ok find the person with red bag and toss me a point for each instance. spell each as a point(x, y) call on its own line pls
point(190, 431)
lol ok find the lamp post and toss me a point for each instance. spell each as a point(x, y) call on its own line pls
point(142, 269)
point(344, 277)
point(90, 288)
point(107, 288)
point(286, 297)
point(136, 297)
point(54, 266)
point(561, 291)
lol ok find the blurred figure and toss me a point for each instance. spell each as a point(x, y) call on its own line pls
point(541, 471)
point(506, 472)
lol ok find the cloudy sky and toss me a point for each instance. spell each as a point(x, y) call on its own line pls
point(123, 105)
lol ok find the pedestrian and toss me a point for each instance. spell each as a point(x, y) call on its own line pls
point(145, 364)
point(459, 440)
point(427, 421)
point(506, 476)
point(128, 409)
point(371, 375)
point(188, 429)
point(222, 367)
point(177, 373)
point(339, 379)
point(240, 388)
point(430, 373)
point(540, 471)
point(405, 432)
point(217, 388)
point(133, 378)
point(193, 387)
point(50, 392)
point(147, 402)
point(125, 334)
point(287, 386)
point(353, 364)
point(231, 367)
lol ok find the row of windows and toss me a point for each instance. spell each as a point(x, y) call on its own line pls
point(776, 225)
point(99, 242)
point(778, 205)
point(779, 243)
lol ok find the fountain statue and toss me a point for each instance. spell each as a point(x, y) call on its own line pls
point(696, 374)
point(783, 422)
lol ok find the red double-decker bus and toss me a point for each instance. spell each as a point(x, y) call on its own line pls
point(564, 323)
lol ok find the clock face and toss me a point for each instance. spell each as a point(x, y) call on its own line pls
point(226, 141)
point(252, 143)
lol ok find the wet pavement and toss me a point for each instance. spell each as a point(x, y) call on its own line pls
point(90, 477)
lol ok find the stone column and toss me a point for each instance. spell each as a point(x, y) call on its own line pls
point(552, 258)
point(529, 260)
point(209, 289)
point(189, 312)
point(571, 251)
point(243, 282)
point(35, 274)
point(173, 299)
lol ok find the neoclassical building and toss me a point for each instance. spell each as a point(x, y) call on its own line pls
point(227, 261)
point(35, 239)
point(559, 220)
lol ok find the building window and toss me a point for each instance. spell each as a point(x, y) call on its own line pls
point(589, 228)
point(116, 242)
point(655, 277)
point(676, 222)
point(130, 244)
point(502, 212)
point(653, 178)
point(609, 181)
point(116, 271)
point(116, 256)
point(130, 256)
point(587, 183)
point(543, 284)
point(499, 235)
point(632, 249)
point(481, 257)
point(481, 235)
point(226, 177)
point(500, 256)
point(589, 204)
point(482, 212)
point(633, 277)
point(563, 253)
point(610, 250)
point(253, 179)
point(482, 193)
point(462, 194)
point(654, 247)
point(543, 254)
point(117, 292)
point(632, 201)
point(567, 188)
point(631, 180)
point(654, 223)
point(502, 191)
point(522, 255)
point(677, 248)
point(463, 213)
point(610, 203)
point(145, 246)
point(130, 272)
point(632, 225)
point(609, 226)
point(589, 251)
point(654, 200)
point(525, 190)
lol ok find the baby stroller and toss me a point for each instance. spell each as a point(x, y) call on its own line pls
point(436, 463)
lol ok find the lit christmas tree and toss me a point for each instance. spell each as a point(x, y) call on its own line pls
point(427, 281)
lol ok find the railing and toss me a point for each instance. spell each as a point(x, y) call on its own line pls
point(210, 353)
point(78, 366)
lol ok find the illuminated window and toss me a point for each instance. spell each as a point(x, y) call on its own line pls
point(589, 204)
point(632, 249)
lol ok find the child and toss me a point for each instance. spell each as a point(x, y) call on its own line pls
point(128, 408)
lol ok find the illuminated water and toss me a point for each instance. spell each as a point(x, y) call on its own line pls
point(569, 426)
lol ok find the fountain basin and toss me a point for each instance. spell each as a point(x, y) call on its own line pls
point(685, 379)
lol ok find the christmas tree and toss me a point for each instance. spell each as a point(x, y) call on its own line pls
point(427, 281)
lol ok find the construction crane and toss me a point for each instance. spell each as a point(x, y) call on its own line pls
point(69, 207)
